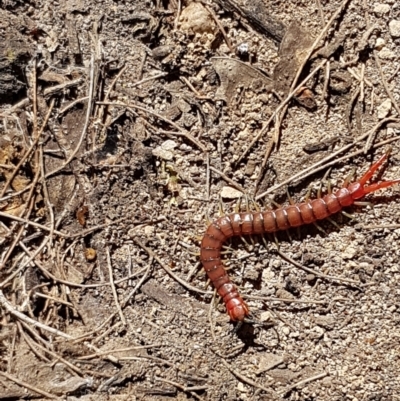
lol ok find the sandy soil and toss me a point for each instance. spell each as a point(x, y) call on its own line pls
point(132, 132)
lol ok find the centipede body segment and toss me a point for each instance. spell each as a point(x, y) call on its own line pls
point(270, 221)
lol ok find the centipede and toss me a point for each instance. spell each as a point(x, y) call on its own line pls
point(271, 221)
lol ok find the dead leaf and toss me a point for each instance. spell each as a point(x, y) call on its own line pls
point(235, 74)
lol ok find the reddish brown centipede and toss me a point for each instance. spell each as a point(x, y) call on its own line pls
point(237, 224)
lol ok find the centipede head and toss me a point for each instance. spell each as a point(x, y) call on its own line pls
point(359, 188)
point(239, 311)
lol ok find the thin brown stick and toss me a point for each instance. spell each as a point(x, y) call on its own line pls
point(249, 381)
point(47, 197)
point(72, 104)
point(221, 28)
point(303, 382)
point(57, 300)
point(101, 353)
point(326, 80)
point(379, 65)
point(316, 273)
point(54, 355)
point(31, 344)
point(320, 164)
point(142, 81)
point(268, 151)
point(107, 332)
point(286, 300)
point(293, 88)
point(28, 386)
point(317, 40)
point(83, 337)
point(169, 271)
point(194, 90)
point(139, 284)
point(182, 131)
point(210, 318)
point(228, 180)
point(114, 291)
point(178, 14)
point(28, 152)
point(11, 351)
point(57, 88)
point(278, 109)
point(19, 315)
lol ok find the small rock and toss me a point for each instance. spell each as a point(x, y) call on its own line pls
point(349, 253)
point(197, 19)
point(149, 231)
point(384, 109)
point(316, 333)
point(387, 54)
point(380, 43)
point(266, 317)
point(328, 322)
point(165, 150)
point(241, 387)
point(380, 8)
point(394, 28)
point(230, 193)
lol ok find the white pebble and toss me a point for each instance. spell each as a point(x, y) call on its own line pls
point(380, 43)
point(384, 109)
point(387, 54)
point(380, 8)
point(394, 28)
point(230, 193)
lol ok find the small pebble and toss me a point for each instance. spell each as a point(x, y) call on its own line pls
point(394, 28)
point(380, 8)
point(384, 109)
point(230, 193)
point(387, 54)
point(380, 44)
point(349, 253)
point(197, 19)
point(165, 150)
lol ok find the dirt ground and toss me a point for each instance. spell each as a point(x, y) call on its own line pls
point(126, 127)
